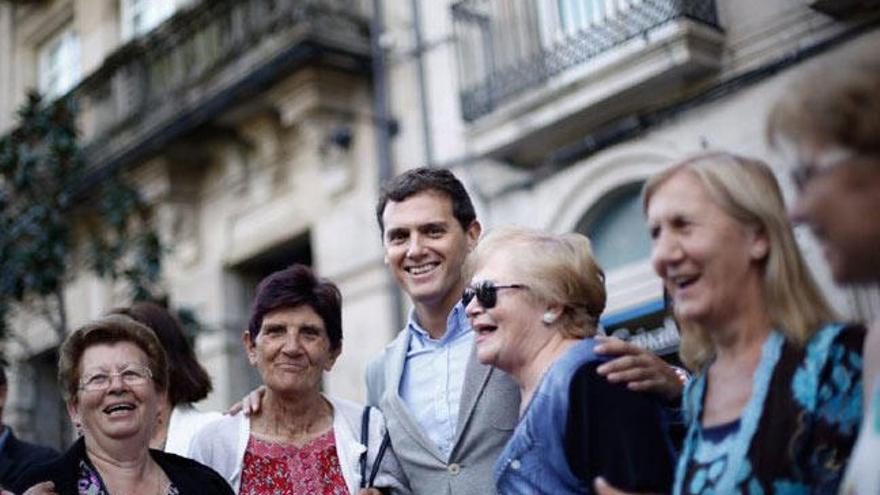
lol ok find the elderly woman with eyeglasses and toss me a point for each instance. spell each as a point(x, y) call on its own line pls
point(828, 123)
point(113, 374)
point(179, 420)
point(534, 303)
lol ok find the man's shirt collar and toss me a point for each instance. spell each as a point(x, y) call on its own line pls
point(457, 324)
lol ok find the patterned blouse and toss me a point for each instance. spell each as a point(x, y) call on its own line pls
point(281, 469)
point(797, 429)
point(90, 482)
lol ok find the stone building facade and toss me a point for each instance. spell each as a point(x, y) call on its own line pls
point(260, 131)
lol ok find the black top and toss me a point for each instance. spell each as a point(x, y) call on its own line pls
point(618, 434)
point(18, 455)
point(187, 475)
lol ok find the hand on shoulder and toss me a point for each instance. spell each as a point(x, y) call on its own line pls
point(640, 369)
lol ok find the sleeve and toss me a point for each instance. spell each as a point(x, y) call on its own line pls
point(836, 410)
point(617, 434)
point(200, 447)
point(216, 445)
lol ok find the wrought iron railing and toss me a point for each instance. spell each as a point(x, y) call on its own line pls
point(204, 59)
point(508, 46)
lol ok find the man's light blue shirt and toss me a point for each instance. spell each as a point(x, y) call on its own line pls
point(433, 376)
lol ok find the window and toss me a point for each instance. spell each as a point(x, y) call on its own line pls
point(616, 227)
point(141, 16)
point(58, 64)
point(621, 245)
point(575, 15)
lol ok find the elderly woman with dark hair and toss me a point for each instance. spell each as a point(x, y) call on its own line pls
point(301, 441)
point(188, 381)
point(113, 373)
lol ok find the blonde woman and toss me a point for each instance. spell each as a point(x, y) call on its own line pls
point(534, 303)
point(774, 406)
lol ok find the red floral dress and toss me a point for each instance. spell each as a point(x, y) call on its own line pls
point(281, 469)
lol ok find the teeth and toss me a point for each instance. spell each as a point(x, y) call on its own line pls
point(119, 407)
point(421, 269)
point(682, 280)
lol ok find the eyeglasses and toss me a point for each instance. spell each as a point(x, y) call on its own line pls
point(486, 293)
point(132, 376)
point(802, 174)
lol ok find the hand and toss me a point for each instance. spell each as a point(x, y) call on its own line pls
point(603, 488)
point(369, 491)
point(639, 368)
point(250, 403)
point(44, 488)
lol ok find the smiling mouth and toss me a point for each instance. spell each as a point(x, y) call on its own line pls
point(117, 409)
point(679, 282)
point(292, 366)
point(484, 330)
point(422, 269)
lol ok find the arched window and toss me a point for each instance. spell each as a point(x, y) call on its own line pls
point(621, 245)
point(616, 227)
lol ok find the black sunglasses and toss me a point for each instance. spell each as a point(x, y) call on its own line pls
point(486, 293)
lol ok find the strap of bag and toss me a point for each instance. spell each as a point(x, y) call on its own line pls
point(381, 453)
point(365, 437)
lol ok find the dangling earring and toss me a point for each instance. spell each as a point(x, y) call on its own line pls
point(77, 425)
point(549, 318)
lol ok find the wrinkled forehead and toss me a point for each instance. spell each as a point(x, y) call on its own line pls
point(679, 193)
point(111, 357)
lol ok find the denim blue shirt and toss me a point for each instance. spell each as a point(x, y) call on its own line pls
point(578, 426)
point(433, 376)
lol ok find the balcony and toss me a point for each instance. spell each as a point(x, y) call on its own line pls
point(533, 74)
point(194, 68)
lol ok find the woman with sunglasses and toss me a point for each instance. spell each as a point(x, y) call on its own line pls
point(534, 304)
point(113, 375)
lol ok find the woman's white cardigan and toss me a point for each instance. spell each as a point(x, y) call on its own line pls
point(222, 443)
point(185, 421)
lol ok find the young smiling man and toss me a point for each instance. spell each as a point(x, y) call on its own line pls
point(448, 415)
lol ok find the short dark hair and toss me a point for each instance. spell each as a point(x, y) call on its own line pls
point(109, 330)
point(423, 179)
point(296, 286)
point(188, 380)
point(2, 376)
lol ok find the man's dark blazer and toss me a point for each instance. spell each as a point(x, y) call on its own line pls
point(18, 455)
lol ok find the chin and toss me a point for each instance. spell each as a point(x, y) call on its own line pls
point(486, 357)
point(687, 312)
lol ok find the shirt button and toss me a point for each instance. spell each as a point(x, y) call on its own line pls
point(515, 464)
point(454, 469)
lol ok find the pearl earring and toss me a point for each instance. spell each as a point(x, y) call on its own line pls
point(549, 318)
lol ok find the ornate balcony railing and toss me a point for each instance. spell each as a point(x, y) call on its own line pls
point(203, 61)
point(506, 47)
